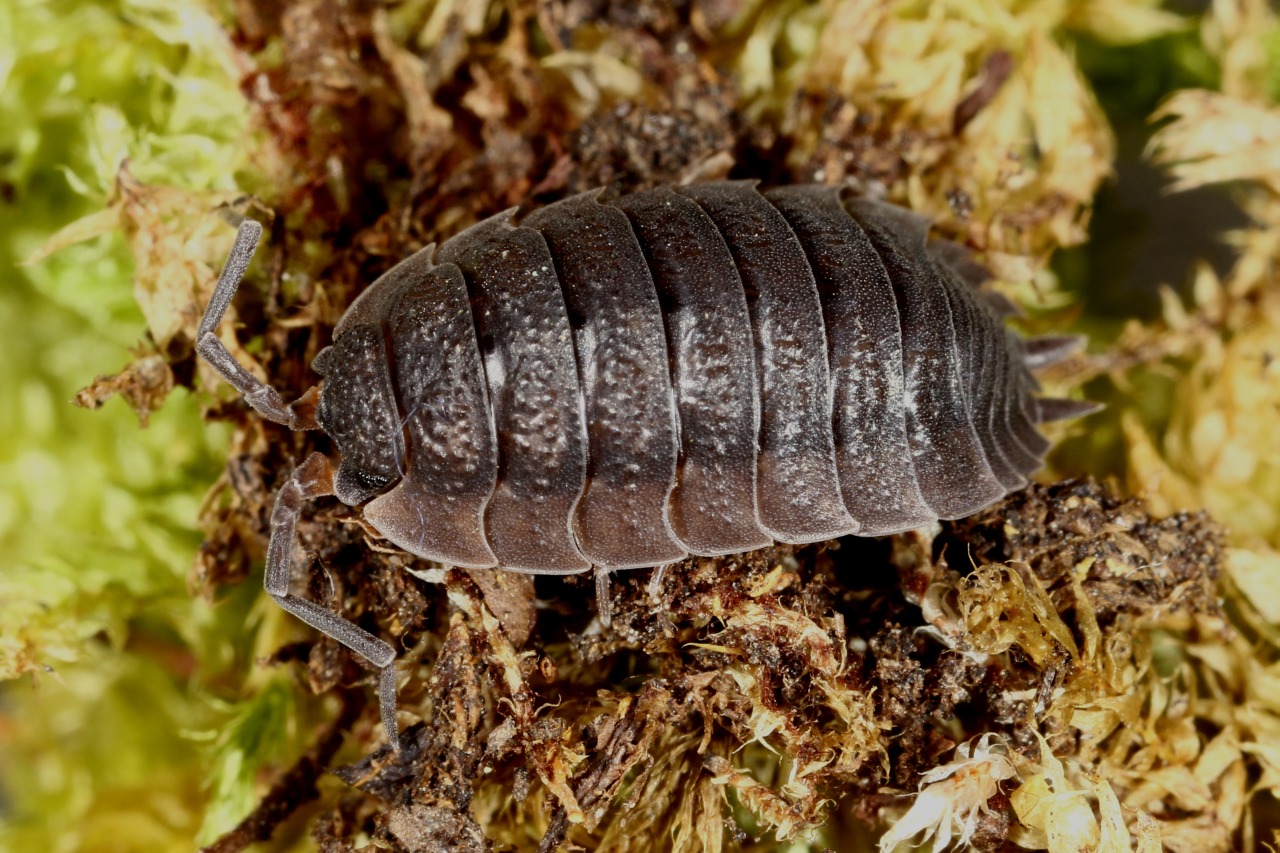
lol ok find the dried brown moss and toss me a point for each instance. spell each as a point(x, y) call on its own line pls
point(797, 678)
point(1124, 560)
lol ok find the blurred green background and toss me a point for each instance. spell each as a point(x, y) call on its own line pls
point(106, 730)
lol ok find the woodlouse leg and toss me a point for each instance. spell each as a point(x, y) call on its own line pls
point(655, 582)
point(604, 599)
point(312, 479)
point(261, 397)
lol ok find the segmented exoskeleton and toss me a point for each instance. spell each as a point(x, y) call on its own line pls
point(695, 370)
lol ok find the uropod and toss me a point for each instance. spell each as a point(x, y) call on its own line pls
point(698, 370)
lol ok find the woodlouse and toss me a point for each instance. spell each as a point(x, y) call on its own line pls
point(698, 370)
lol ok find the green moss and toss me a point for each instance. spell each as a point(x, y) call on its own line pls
point(97, 516)
point(1271, 47)
point(257, 734)
point(1132, 79)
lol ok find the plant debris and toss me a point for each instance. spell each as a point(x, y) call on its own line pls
point(144, 385)
point(792, 677)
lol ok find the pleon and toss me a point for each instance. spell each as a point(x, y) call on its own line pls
point(960, 260)
point(1021, 385)
point(978, 364)
point(1008, 399)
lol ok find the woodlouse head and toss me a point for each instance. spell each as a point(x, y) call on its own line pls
point(358, 412)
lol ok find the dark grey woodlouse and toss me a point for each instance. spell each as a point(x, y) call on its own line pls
point(700, 370)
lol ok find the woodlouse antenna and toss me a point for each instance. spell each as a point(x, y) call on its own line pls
point(263, 398)
point(313, 479)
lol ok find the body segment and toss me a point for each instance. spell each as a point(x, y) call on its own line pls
point(623, 518)
point(437, 510)
point(711, 352)
point(877, 474)
point(798, 489)
point(534, 393)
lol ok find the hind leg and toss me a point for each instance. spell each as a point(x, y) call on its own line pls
point(263, 398)
point(312, 479)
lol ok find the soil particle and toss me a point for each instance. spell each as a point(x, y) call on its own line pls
point(1131, 563)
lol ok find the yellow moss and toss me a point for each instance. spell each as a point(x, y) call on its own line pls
point(1002, 609)
point(1217, 137)
point(953, 797)
point(1219, 447)
point(1031, 158)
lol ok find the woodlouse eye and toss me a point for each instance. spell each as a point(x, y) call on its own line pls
point(355, 486)
point(372, 482)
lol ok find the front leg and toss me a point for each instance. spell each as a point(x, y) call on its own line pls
point(312, 479)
